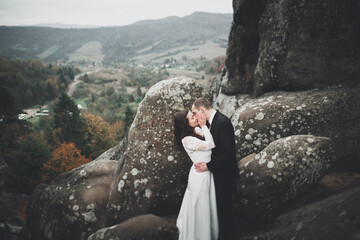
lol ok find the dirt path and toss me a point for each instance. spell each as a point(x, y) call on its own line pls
point(71, 88)
point(70, 91)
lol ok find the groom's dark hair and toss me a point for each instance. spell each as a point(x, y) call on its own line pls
point(202, 102)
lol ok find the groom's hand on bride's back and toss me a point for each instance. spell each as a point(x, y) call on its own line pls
point(201, 167)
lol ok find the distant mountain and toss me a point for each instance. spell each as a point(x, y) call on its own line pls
point(62, 25)
point(117, 44)
point(151, 21)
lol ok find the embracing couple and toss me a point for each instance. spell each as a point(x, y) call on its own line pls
point(208, 138)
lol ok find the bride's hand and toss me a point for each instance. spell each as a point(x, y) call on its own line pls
point(202, 120)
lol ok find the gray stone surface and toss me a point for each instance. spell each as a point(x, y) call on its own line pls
point(144, 227)
point(115, 153)
point(292, 45)
point(333, 218)
point(332, 112)
point(243, 47)
point(3, 172)
point(153, 176)
point(73, 205)
point(288, 167)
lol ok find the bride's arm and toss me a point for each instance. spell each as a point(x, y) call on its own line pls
point(192, 144)
point(199, 131)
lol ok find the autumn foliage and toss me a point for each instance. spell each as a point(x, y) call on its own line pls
point(220, 63)
point(21, 210)
point(63, 159)
point(117, 129)
point(216, 65)
point(98, 136)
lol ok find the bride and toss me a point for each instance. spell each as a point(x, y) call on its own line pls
point(197, 219)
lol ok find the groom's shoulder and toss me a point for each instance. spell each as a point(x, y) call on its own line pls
point(222, 116)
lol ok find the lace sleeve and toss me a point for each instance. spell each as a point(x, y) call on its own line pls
point(192, 144)
point(199, 131)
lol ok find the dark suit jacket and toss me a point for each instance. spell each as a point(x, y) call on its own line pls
point(223, 160)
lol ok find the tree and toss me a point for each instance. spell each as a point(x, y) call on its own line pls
point(30, 154)
point(86, 78)
point(215, 65)
point(93, 97)
point(131, 98)
point(110, 90)
point(63, 79)
point(129, 117)
point(70, 72)
point(138, 99)
point(220, 63)
point(98, 137)
point(11, 128)
point(117, 129)
point(165, 73)
point(121, 100)
point(67, 121)
point(51, 94)
point(63, 159)
point(44, 126)
point(28, 80)
point(138, 91)
point(9, 106)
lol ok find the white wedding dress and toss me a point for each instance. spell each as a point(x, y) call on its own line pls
point(197, 219)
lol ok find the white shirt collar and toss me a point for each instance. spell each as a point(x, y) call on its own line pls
point(212, 116)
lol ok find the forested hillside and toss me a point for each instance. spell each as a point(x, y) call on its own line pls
point(118, 43)
point(32, 81)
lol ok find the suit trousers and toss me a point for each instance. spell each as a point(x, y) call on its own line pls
point(224, 186)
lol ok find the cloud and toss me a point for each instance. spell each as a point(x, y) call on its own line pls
point(104, 12)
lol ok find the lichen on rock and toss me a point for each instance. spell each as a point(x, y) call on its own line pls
point(272, 179)
point(152, 177)
point(328, 112)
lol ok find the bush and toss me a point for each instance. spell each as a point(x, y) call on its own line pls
point(81, 91)
point(30, 154)
point(63, 159)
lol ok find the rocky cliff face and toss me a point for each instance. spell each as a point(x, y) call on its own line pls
point(292, 45)
point(291, 89)
point(292, 68)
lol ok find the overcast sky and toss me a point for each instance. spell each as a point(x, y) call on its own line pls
point(102, 12)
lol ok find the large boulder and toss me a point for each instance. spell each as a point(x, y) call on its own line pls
point(292, 44)
point(242, 52)
point(114, 153)
point(14, 224)
point(333, 218)
point(73, 205)
point(3, 172)
point(152, 178)
point(144, 227)
point(333, 112)
point(11, 205)
point(4, 209)
point(288, 167)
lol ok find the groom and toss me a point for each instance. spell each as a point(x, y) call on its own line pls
point(223, 163)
